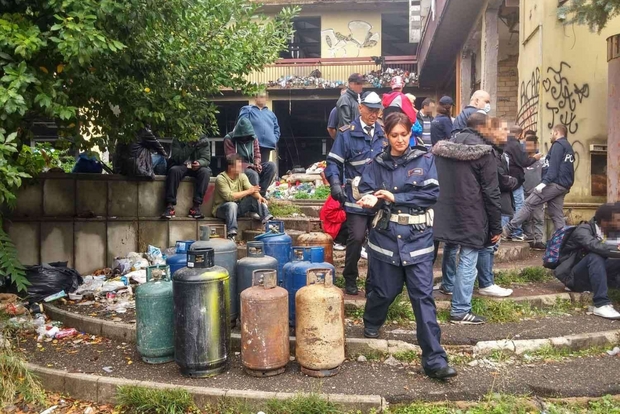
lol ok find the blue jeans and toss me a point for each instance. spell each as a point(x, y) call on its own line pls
point(160, 165)
point(464, 281)
point(448, 266)
point(484, 266)
point(231, 210)
point(519, 200)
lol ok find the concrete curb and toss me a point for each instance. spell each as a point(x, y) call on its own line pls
point(575, 342)
point(103, 390)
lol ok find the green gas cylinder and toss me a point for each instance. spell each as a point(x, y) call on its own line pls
point(155, 316)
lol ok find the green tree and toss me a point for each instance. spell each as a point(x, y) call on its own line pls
point(102, 69)
point(594, 13)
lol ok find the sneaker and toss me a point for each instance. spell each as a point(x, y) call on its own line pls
point(467, 319)
point(443, 290)
point(254, 216)
point(506, 233)
point(231, 236)
point(538, 246)
point(194, 212)
point(517, 238)
point(494, 290)
point(437, 286)
point(607, 312)
point(364, 255)
point(267, 219)
point(339, 247)
point(169, 213)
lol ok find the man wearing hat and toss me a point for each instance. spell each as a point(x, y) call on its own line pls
point(348, 102)
point(356, 144)
point(441, 127)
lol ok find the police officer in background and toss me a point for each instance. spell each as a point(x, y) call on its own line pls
point(401, 185)
point(356, 144)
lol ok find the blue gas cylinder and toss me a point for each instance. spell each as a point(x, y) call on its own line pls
point(317, 257)
point(295, 276)
point(179, 259)
point(277, 244)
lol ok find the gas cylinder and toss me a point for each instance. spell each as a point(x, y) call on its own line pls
point(295, 277)
point(278, 244)
point(214, 236)
point(155, 316)
point(319, 325)
point(320, 239)
point(255, 259)
point(178, 260)
point(201, 308)
point(264, 325)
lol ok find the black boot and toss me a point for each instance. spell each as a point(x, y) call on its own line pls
point(442, 373)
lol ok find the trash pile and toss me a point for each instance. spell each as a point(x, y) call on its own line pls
point(377, 78)
point(300, 184)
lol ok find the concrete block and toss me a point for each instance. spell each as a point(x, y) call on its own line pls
point(153, 232)
point(90, 246)
point(57, 242)
point(182, 230)
point(363, 403)
point(81, 386)
point(357, 346)
point(123, 332)
point(151, 198)
point(123, 199)
point(59, 197)
point(92, 197)
point(107, 389)
point(185, 194)
point(207, 396)
point(250, 398)
point(51, 379)
point(122, 239)
point(29, 201)
point(25, 236)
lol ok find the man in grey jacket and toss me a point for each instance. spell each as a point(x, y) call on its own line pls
point(533, 227)
point(348, 103)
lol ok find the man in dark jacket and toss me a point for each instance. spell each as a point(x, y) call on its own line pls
point(557, 178)
point(188, 159)
point(242, 141)
point(480, 102)
point(134, 159)
point(589, 263)
point(425, 118)
point(468, 212)
point(348, 103)
point(533, 228)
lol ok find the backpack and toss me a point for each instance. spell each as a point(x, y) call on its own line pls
point(551, 258)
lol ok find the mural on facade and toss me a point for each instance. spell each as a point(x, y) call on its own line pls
point(349, 45)
point(562, 99)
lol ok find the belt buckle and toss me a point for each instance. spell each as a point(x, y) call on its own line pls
point(403, 219)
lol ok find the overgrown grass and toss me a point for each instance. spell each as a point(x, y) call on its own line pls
point(339, 282)
point(320, 193)
point(407, 356)
point(614, 295)
point(283, 209)
point(134, 399)
point(522, 276)
point(549, 353)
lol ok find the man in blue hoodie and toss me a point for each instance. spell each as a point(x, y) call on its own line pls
point(558, 176)
point(265, 124)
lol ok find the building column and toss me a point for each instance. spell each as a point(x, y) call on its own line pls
point(613, 114)
point(490, 51)
point(465, 78)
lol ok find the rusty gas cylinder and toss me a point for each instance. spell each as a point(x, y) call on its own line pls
point(264, 325)
point(318, 239)
point(319, 314)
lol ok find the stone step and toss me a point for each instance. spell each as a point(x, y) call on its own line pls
point(310, 210)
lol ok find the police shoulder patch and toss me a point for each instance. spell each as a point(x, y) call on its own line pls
point(415, 171)
point(346, 127)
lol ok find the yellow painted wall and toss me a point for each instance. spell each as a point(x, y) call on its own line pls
point(364, 28)
point(563, 79)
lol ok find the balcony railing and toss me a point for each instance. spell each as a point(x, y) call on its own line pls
point(332, 72)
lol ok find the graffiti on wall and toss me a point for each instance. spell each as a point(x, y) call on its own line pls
point(564, 97)
point(360, 36)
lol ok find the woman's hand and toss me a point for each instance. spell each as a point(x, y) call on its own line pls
point(384, 195)
point(368, 201)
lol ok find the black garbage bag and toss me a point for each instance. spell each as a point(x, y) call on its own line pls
point(49, 278)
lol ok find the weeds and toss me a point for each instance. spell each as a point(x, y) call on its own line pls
point(310, 404)
point(146, 400)
point(549, 353)
point(523, 276)
point(283, 209)
point(407, 356)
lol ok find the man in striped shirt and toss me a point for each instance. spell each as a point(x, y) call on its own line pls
point(425, 117)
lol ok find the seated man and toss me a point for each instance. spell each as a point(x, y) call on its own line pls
point(589, 262)
point(243, 141)
point(188, 159)
point(235, 196)
point(134, 159)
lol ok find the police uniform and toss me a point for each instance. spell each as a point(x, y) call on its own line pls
point(400, 245)
point(352, 150)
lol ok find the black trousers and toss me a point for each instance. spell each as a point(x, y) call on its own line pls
point(357, 225)
point(593, 273)
point(264, 178)
point(177, 173)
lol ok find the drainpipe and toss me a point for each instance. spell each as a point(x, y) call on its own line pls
point(613, 115)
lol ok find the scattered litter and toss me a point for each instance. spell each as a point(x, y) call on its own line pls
point(138, 276)
point(51, 333)
point(391, 361)
point(66, 333)
point(362, 358)
point(89, 410)
point(107, 369)
point(50, 410)
point(75, 296)
point(112, 285)
point(614, 351)
point(55, 296)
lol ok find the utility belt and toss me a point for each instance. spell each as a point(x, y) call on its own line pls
point(418, 221)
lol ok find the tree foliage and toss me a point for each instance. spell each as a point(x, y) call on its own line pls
point(102, 69)
point(594, 13)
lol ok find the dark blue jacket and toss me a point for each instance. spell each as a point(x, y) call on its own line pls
point(353, 149)
point(412, 179)
point(265, 125)
point(460, 122)
point(441, 128)
point(558, 167)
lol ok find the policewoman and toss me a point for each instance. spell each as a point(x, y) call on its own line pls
point(400, 184)
point(355, 145)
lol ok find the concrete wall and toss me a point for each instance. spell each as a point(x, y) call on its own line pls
point(87, 220)
point(563, 79)
point(507, 88)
